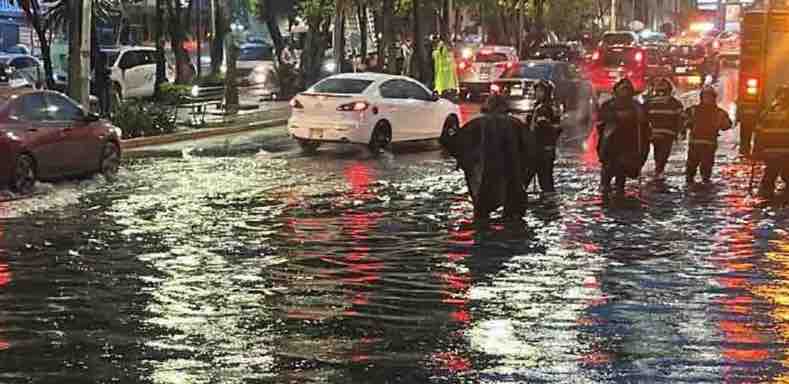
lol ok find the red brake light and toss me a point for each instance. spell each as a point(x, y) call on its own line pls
point(495, 88)
point(639, 57)
point(463, 65)
point(596, 55)
point(357, 106)
point(510, 65)
point(296, 104)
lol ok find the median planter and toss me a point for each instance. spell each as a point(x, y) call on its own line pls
point(138, 118)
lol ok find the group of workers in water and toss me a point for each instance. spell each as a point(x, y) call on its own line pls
point(501, 155)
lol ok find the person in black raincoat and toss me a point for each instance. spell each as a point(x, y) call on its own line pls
point(544, 122)
point(704, 121)
point(624, 136)
point(101, 74)
point(491, 150)
point(665, 120)
point(772, 142)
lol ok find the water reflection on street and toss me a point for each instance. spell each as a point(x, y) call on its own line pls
point(340, 268)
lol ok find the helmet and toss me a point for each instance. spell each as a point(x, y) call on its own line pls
point(546, 85)
point(495, 104)
point(622, 83)
point(663, 84)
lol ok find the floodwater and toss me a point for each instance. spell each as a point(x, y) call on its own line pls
point(339, 268)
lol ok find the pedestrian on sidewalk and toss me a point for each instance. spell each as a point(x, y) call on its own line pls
point(544, 123)
point(446, 80)
point(624, 135)
point(664, 112)
point(704, 122)
point(772, 142)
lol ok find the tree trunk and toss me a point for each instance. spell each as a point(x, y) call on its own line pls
point(38, 26)
point(75, 47)
point(362, 16)
point(270, 18)
point(419, 70)
point(445, 20)
point(338, 38)
point(231, 82)
point(387, 51)
point(220, 27)
point(161, 72)
point(312, 55)
point(177, 39)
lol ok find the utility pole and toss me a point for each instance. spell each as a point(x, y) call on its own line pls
point(161, 74)
point(79, 52)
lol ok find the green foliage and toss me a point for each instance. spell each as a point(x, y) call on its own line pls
point(315, 11)
point(568, 17)
point(172, 94)
point(142, 119)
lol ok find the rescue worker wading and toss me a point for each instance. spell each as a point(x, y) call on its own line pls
point(664, 112)
point(624, 138)
point(772, 142)
point(545, 123)
point(704, 121)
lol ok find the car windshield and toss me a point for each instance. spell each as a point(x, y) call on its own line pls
point(342, 86)
point(619, 56)
point(491, 57)
point(555, 53)
point(687, 51)
point(529, 71)
point(618, 39)
point(256, 53)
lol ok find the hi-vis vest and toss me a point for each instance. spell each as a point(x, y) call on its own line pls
point(772, 137)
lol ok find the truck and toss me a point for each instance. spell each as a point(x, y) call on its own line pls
point(764, 63)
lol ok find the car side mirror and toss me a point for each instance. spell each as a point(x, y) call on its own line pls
point(435, 96)
point(91, 117)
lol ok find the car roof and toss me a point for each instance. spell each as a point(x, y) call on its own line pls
point(370, 76)
point(548, 62)
point(497, 48)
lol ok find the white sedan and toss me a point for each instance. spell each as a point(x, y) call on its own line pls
point(371, 109)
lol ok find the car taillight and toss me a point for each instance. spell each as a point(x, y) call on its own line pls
point(463, 65)
point(495, 88)
point(596, 56)
point(639, 57)
point(716, 44)
point(357, 106)
point(296, 104)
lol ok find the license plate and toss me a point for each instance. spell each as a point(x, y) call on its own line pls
point(516, 92)
point(484, 70)
point(681, 70)
point(316, 133)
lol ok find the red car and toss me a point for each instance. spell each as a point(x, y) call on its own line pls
point(609, 64)
point(46, 135)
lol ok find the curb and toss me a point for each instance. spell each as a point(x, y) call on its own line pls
point(200, 134)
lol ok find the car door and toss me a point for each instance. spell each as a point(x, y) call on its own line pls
point(394, 107)
point(147, 68)
point(79, 143)
point(421, 112)
point(131, 74)
point(29, 118)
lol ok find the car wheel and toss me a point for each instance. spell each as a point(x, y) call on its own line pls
point(309, 146)
point(451, 126)
point(381, 137)
point(110, 160)
point(24, 178)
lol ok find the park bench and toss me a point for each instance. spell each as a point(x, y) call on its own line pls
point(199, 99)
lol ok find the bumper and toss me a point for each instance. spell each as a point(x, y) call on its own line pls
point(341, 131)
point(476, 87)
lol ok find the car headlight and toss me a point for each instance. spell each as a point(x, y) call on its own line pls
point(195, 92)
point(330, 67)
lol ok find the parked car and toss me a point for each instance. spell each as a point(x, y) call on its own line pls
point(572, 91)
point(256, 69)
point(29, 65)
point(371, 109)
point(487, 66)
point(612, 63)
point(133, 72)
point(45, 135)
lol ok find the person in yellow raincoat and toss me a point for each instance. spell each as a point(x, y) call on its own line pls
point(445, 69)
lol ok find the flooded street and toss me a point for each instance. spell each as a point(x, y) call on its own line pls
point(340, 268)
